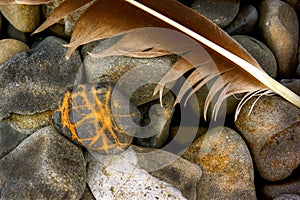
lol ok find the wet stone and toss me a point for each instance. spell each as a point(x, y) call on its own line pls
point(44, 166)
point(120, 177)
point(25, 18)
point(9, 138)
point(10, 47)
point(33, 82)
point(260, 52)
point(278, 25)
point(179, 172)
point(136, 77)
point(221, 12)
point(272, 132)
point(227, 170)
point(244, 21)
point(153, 129)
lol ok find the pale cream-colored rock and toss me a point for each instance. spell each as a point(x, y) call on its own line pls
point(25, 18)
point(10, 47)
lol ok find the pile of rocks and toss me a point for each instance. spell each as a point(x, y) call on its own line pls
point(255, 157)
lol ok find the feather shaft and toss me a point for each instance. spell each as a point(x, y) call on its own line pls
point(251, 69)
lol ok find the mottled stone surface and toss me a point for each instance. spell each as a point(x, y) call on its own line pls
point(25, 18)
point(31, 83)
point(9, 138)
point(279, 27)
point(227, 171)
point(153, 130)
point(43, 166)
point(10, 47)
point(87, 194)
point(179, 172)
point(185, 135)
point(244, 21)
point(119, 177)
point(272, 132)
point(260, 52)
point(30, 123)
point(221, 12)
point(288, 197)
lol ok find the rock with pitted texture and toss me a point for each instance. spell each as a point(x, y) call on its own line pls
point(221, 12)
point(272, 132)
point(44, 166)
point(279, 27)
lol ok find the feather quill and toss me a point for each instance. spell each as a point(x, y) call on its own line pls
point(237, 71)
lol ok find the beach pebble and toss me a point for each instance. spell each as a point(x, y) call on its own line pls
point(10, 47)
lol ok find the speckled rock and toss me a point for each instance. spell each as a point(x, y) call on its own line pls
point(9, 138)
point(260, 52)
point(133, 76)
point(30, 123)
point(25, 18)
point(68, 21)
point(278, 25)
point(272, 132)
point(87, 194)
point(221, 12)
point(288, 197)
point(227, 171)
point(32, 83)
point(10, 47)
point(273, 190)
point(119, 177)
point(180, 173)
point(153, 130)
point(43, 166)
point(294, 3)
point(244, 21)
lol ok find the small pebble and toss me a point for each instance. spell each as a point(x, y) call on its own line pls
point(10, 47)
point(272, 132)
point(14, 33)
point(226, 164)
point(260, 52)
point(25, 18)
point(279, 27)
point(44, 166)
point(221, 12)
point(244, 21)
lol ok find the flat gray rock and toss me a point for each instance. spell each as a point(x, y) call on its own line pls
point(44, 166)
point(31, 83)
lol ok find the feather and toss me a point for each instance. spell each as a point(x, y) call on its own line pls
point(233, 68)
point(28, 2)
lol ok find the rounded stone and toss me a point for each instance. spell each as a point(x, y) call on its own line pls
point(10, 47)
point(221, 12)
point(244, 21)
point(25, 18)
point(272, 133)
point(226, 164)
point(44, 166)
point(260, 52)
point(279, 27)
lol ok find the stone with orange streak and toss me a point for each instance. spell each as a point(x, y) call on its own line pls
point(226, 164)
